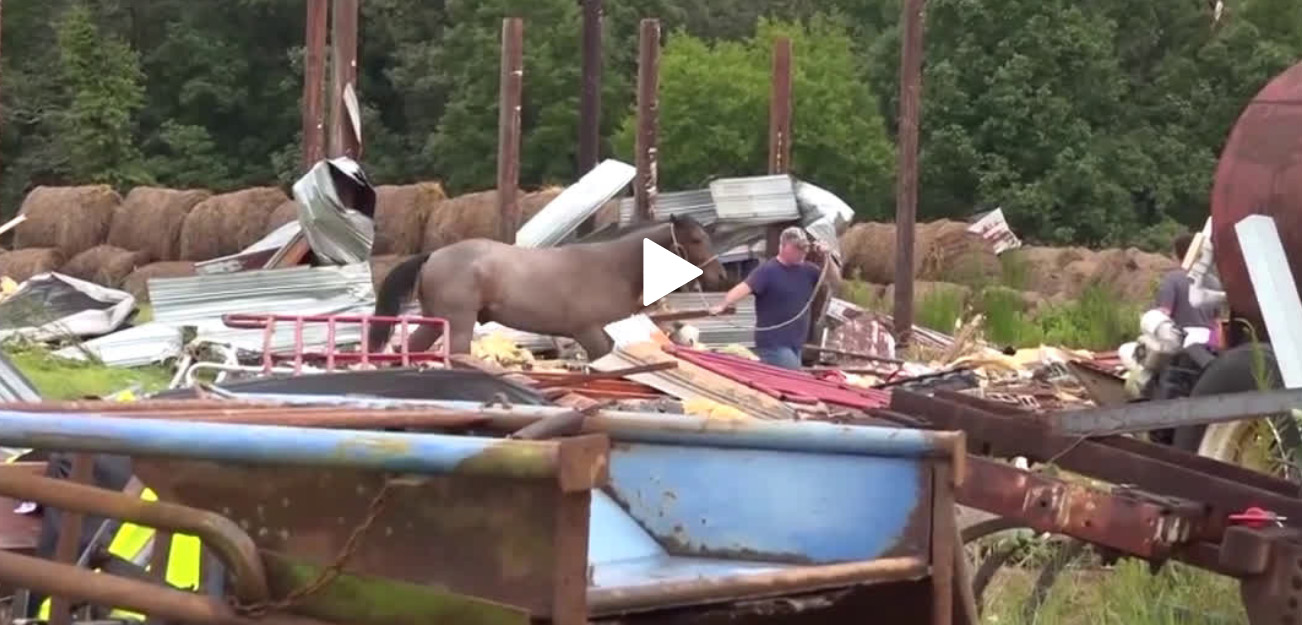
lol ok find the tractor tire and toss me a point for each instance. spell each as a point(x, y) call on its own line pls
point(1233, 372)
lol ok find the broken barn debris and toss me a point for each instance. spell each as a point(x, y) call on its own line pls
point(314, 261)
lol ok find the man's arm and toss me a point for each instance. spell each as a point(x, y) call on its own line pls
point(1166, 294)
point(734, 295)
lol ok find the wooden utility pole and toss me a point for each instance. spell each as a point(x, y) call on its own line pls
point(906, 187)
point(510, 86)
point(343, 45)
point(318, 12)
point(590, 97)
point(648, 111)
point(779, 128)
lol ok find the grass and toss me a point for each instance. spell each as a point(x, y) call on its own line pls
point(1124, 594)
point(61, 378)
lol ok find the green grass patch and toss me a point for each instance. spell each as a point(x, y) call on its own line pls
point(1126, 594)
point(941, 309)
point(62, 378)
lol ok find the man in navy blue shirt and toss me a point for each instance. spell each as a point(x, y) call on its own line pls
point(783, 287)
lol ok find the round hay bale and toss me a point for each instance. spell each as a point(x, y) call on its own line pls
point(475, 216)
point(956, 255)
point(20, 265)
point(285, 213)
point(150, 220)
point(400, 215)
point(72, 219)
point(468, 216)
point(869, 250)
point(226, 224)
point(137, 284)
point(105, 265)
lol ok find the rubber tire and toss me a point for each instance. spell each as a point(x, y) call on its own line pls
point(1232, 372)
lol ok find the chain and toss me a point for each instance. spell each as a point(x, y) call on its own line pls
point(330, 573)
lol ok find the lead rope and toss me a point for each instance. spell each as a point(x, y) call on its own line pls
point(700, 292)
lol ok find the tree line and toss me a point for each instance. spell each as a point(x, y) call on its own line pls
point(1090, 123)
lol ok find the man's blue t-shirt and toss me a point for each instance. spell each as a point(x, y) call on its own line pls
point(781, 291)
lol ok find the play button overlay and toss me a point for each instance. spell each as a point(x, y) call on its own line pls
point(663, 272)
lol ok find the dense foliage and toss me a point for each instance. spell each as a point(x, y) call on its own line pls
point(1093, 123)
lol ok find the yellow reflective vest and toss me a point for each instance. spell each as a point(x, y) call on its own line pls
point(131, 543)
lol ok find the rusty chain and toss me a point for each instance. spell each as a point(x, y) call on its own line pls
point(331, 572)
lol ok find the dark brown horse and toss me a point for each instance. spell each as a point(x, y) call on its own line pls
point(573, 290)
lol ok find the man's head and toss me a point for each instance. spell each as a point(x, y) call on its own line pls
point(1180, 246)
point(793, 245)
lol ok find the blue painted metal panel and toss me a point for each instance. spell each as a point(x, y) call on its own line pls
point(614, 536)
point(763, 505)
point(252, 444)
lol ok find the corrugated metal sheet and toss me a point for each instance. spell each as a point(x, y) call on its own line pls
point(563, 215)
point(721, 331)
point(336, 232)
point(755, 199)
point(201, 301)
point(817, 203)
point(14, 386)
point(133, 347)
point(697, 204)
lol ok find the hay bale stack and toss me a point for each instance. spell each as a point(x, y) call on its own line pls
point(1047, 268)
point(400, 215)
point(20, 265)
point(105, 265)
point(285, 213)
point(226, 224)
point(150, 220)
point(72, 219)
point(137, 284)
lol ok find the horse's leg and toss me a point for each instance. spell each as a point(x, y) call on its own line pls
point(423, 338)
point(462, 333)
point(594, 342)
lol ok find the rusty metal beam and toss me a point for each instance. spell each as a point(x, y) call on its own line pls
point(648, 120)
point(62, 580)
point(757, 585)
point(314, 64)
point(1184, 411)
point(1007, 436)
point(70, 523)
point(510, 87)
point(906, 189)
point(1141, 525)
point(235, 548)
point(343, 45)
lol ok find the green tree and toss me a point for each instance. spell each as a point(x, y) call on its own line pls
point(103, 90)
point(714, 102)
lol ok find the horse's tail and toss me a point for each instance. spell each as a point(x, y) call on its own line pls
point(388, 301)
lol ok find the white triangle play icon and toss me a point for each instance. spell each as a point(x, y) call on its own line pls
point(663, 272)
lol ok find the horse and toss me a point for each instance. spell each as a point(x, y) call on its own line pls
point(572, 291)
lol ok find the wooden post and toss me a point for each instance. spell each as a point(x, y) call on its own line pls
point(343, 44)
point(906, 188)
point(590, 97)
point(779, 128)
point(508, 128)
point(314, 83)
point(648, 79)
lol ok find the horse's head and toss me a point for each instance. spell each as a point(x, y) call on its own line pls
point(695, 246)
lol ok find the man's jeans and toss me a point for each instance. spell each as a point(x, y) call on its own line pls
point(784, 357)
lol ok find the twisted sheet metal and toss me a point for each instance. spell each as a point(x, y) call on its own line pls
point(755, 199)
point(697, 204)
point(579, 201)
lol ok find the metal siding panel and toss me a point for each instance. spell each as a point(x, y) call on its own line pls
point(14, 386)
point(562, 216)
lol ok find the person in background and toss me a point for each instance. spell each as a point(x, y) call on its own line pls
point(783, 287)
point(1173, 297)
